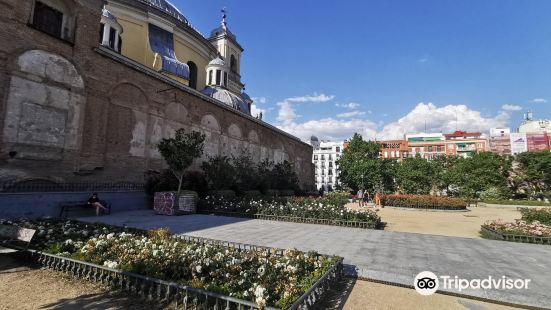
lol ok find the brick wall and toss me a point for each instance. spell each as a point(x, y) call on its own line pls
point(71, 111)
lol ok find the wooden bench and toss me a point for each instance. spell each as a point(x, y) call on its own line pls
point(66, 206)
point(9, 233)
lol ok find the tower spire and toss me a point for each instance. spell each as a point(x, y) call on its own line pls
point(224, 23)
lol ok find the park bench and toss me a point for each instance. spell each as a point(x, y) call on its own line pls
point(9, 234)
point(71, 205)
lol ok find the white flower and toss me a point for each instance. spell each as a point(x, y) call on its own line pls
point(198, 268)
point(110, 264)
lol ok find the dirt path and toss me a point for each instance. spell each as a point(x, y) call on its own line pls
point(46, 289)
point(369, 295)
point(444, 223)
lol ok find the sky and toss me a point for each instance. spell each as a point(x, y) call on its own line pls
point(386, 67)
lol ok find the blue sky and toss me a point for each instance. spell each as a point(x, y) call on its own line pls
point(386, 67)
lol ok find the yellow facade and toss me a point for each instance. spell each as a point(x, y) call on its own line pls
point(135, 44)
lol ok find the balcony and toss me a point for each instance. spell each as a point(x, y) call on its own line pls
point(466, 147)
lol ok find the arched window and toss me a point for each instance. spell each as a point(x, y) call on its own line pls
point(210, 77)
point(54, 17)
point(233, 64)
point(218, 77)
point(192, 74)
point(225, 79)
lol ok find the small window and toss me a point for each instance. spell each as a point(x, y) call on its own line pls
point(338, 149)
point(210, 77)
point(48, 19)
point(192, 74)
point(226, 79)
point(315, 157)
point(53, 17)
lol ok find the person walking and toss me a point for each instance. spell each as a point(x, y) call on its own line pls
point(377, 198)
point(360, 197)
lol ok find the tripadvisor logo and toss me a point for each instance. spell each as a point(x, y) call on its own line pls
point(427, 283)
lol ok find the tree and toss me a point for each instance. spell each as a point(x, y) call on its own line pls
point(534, 173)
point(480, 172)
point(415, 176)
point(180, 152)
point(361, 167)
point(446, 174)
point(220, 173)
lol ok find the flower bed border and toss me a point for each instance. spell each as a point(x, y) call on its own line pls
point(444, 208)
point(306, 220)
point(184, 296)
point(515, 238)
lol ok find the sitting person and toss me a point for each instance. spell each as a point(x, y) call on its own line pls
point(97, 203)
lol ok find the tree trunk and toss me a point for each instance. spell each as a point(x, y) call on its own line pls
point(180, 179)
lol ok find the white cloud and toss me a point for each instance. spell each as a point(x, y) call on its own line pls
point(311, 98)
point(331, 129)
point(442, 119)
point(423, 59)
point(255, 111)
point(351, 105)
point(261, 100)
point(539, 100)
point(351, 114)
point(511, 107)
point(286, 113)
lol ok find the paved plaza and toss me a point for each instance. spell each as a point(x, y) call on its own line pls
point(381, 255)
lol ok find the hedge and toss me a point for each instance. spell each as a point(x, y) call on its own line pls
point(424, 202)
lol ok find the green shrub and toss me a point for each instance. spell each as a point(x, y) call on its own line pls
point(252, 194)
point(337, 198)
point(286, 192)
point(424, 202)
point(495, 193)
point(228, 194)
point(541, 215)
point(271, 192)
point(518, 202)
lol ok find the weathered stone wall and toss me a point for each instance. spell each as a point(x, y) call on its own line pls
point(73, 112)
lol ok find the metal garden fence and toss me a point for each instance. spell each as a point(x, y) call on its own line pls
point(515, 238)
point(305, 220)
point(49, 186)
point(184, 297)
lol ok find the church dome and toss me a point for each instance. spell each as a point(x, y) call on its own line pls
point(227, 97)
point(167, 7)
point(246, 97)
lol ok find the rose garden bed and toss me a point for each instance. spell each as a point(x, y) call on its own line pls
point(424, 202)
point(194, 271)
point(519, 231)
point(298, 210)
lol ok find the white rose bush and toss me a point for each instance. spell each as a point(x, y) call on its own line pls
point(259, 276)
point(307, 208)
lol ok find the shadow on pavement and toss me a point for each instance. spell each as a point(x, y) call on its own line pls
point(338, 294)
point(146, 219)
point(105, 301)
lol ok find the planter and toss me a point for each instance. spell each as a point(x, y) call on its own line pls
point(167, 203)
point(187, 202)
